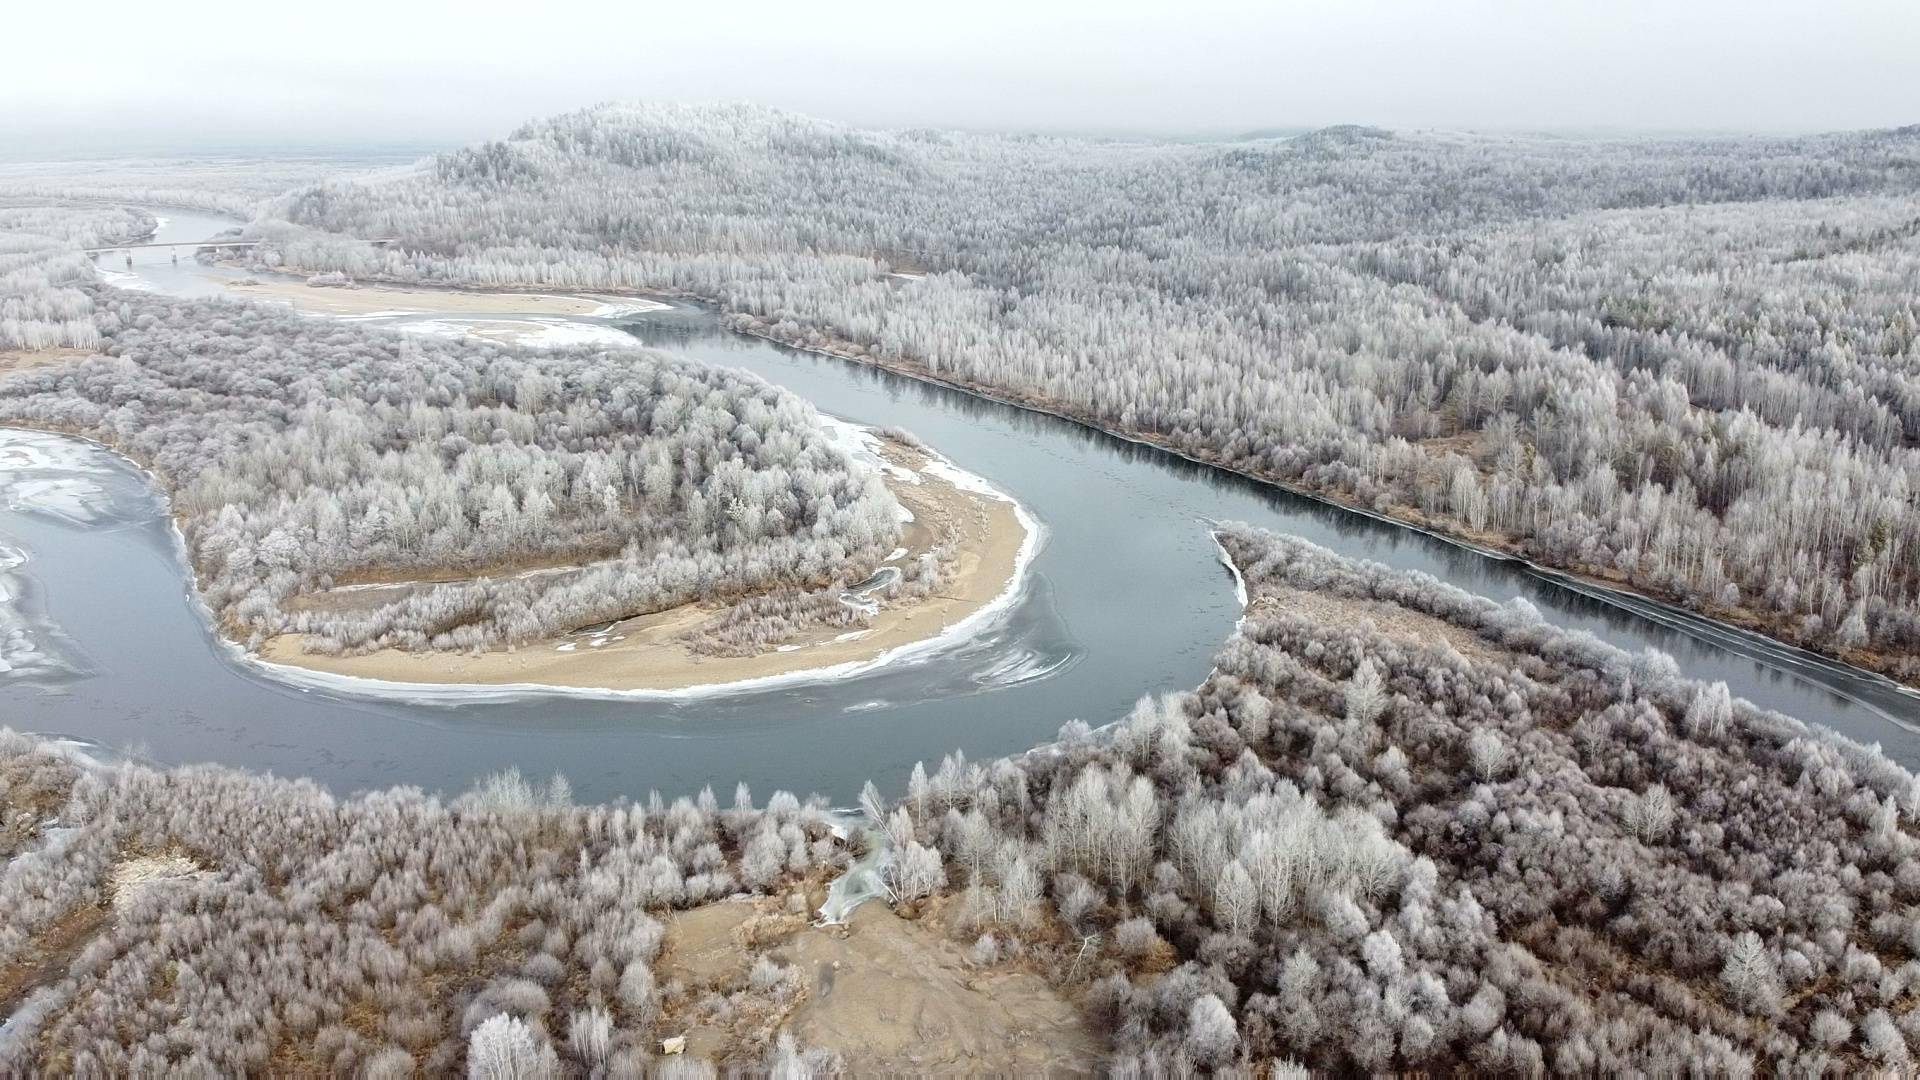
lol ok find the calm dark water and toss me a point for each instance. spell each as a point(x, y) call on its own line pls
point(1126, 598)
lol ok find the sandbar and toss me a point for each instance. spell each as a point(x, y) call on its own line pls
point(376, 300)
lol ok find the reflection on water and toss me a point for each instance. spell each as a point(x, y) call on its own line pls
point(1128, 597)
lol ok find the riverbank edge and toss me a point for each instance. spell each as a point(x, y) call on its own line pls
point(1666, 608)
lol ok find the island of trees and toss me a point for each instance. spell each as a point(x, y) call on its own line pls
point(301, 454)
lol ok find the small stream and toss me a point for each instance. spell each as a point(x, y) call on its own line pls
point(1127, 597)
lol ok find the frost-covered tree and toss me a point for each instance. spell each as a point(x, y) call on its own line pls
point(1211, 1035)
point(504, 1048)
point(1366, 696)
point(1750, 976)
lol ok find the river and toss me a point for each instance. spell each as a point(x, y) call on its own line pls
point(1127, 597)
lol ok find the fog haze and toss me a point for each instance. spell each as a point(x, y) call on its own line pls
point(145, 76)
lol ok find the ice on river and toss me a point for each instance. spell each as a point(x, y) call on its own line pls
point(625, 307)
point(24, 653)
point(120, 279)
point(46, 474)
point(70, 499)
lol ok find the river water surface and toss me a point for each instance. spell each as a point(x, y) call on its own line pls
point(1127, 597)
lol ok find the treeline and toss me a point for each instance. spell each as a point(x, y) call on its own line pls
point(300, 455)
point(1430, 832)
point(1684, 365)
point(221, 185)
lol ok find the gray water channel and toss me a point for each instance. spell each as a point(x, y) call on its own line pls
point(1127, 597)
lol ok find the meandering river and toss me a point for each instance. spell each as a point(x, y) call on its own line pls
point(1126, 598)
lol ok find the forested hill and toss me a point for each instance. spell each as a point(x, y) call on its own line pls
point(1688, 366)
point(742, 177)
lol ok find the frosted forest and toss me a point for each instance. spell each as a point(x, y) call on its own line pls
point(1682, 366)
point(1439, 833)
point(45, 301)
point(1397, 827)
point(299, 455)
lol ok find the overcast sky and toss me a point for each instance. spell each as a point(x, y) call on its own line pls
point(199, 73)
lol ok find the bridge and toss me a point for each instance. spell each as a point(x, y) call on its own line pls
point(176, 244)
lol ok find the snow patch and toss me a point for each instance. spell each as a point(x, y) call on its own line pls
point(539, 332)
point(1239, 582)
point(621, 307)
point(131, 878)
point(864, 879)
point(863, 445)
point(120, 279)
point(559, 333)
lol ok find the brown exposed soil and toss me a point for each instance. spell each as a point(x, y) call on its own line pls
point(53, 949)
point(12, 360)
point(892, 996)
point(1390, 620)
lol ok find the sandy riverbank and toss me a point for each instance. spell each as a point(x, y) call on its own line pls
point(377, 300)
point(983, 528)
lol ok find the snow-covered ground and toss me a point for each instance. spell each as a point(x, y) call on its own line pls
point(538, 332)
point(621, 307)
